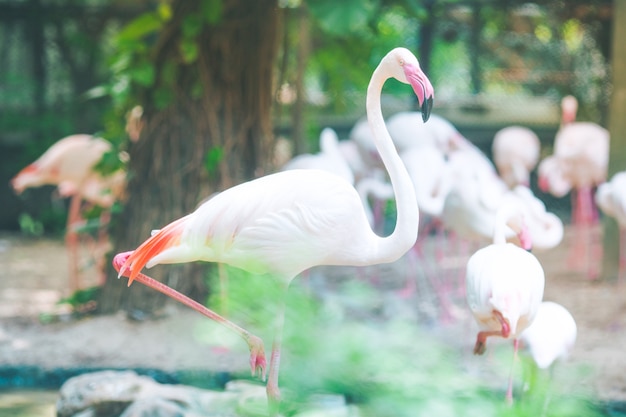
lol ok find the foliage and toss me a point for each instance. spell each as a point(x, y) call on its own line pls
point(344, 341)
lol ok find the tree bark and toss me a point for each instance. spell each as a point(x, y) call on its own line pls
point(617, 128)
point(219, 105)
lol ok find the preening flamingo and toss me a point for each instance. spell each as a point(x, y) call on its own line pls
point(515, 152)
point(329, 158)
point(287, 222)
point(611, 198)
point(551, 336)
point(504, 284)
point(69, 164)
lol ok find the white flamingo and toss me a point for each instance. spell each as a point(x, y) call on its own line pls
point(551, 336)
point(505, 285)
point(611, 198)
point(284, 223)
point(580, 157)
point(329, 158)
point(515, 152)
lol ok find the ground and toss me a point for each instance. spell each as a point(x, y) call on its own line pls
point(34, 278)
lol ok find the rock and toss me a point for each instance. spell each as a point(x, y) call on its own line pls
point(154, 407)
point(106, 392)
point(126, 394)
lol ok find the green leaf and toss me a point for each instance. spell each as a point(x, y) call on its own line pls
point(165, 11)
point(212, 11)
point(192, 25)
point(143, 74)
point(213, 158)
point(342, 17)
point(162, 98)
point(141, 26)
point(188, 50)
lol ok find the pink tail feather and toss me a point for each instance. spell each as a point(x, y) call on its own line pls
point(165, 238)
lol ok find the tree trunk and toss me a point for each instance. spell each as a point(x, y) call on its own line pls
point(617, 128)
point(219, 110)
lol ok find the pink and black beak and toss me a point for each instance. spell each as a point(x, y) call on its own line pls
point(422, 87)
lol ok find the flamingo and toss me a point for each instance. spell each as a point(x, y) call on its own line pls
point(284, 223)
point(611, 199)
point(329, 158)
point(405, 128)
point(581, 152)
point(504, 284)
point(551, 336)
point(69, 163)
point(515, 153)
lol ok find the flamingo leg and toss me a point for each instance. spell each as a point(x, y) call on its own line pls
point(103, 239)
point(621, 274)
point(255, 344)
point(71, 241)
point(272, 390)
point(509, 391)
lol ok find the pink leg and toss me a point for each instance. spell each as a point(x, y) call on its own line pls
point(622, 256)
point(272, 390)
point(509, 391)
point(71, 240)
point(414, 256)
point(255, 344)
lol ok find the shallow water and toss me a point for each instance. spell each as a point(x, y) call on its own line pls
point(28, 403)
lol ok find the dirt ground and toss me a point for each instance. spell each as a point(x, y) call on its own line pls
point(34, 277)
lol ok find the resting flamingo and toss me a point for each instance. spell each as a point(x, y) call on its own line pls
point(551, 336)
point(611, 198)
point(69, 164)
point(284, 223)
point(580, 157)
point(329, 158)
point(505, 285)
point(515, 152)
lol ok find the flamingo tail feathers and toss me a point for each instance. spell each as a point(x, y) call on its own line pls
point(165, 238)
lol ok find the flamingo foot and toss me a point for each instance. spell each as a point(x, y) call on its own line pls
point(258, 364)
point(481, 345)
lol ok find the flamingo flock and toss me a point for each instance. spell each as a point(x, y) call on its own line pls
point(326, 209)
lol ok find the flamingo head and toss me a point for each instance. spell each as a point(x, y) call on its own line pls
point(27, 177)
point(408, 71)
point(569, 108)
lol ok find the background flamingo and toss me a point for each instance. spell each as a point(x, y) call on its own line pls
point(505, 285)
point(551, 336)
point(285, 223)
point(329, 158)
point(69, 164)
point(515, 152)
point(611, 198)
point(580, 157)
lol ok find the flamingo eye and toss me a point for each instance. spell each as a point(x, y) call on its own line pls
point(401, 62)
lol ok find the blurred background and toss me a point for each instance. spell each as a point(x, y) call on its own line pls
point(197, 96)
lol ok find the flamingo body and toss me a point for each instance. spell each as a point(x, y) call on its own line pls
point(69, 164)
point(330, 158)
point(504, 282)
point(551, 336)
point(507, 279)
point(611, 198)
point(284, 223)
point(515, 153)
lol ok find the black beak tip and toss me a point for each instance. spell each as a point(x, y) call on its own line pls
point(427, 106)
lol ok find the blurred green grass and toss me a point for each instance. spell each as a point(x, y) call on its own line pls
point(343, 342)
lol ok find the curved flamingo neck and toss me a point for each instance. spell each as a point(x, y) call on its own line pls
point(404, 235)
